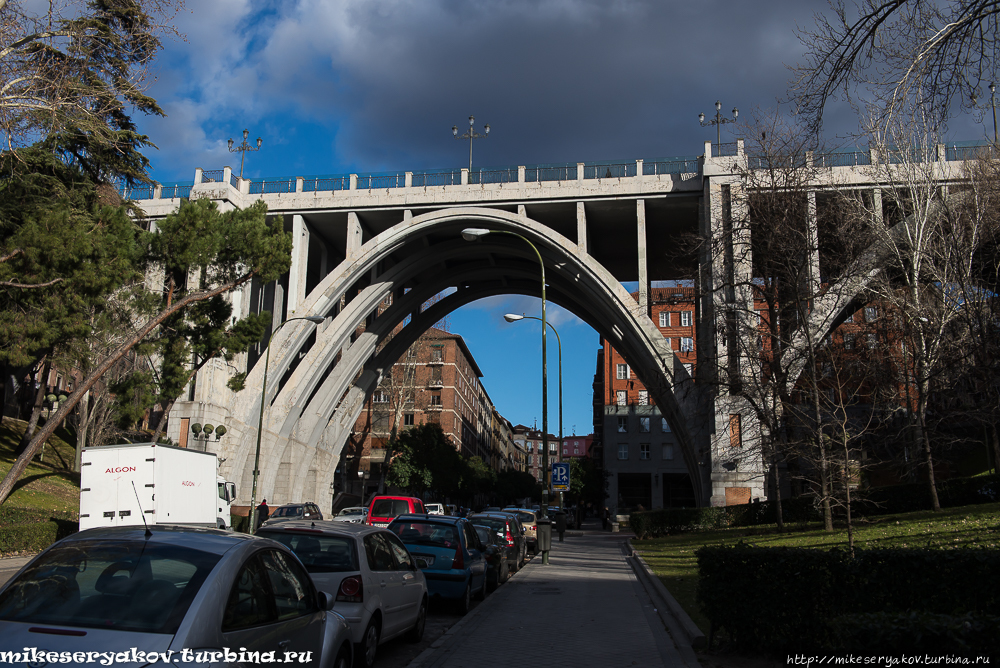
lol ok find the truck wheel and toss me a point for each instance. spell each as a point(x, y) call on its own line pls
point(222, 525)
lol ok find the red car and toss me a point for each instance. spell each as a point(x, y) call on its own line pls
point(382, 509)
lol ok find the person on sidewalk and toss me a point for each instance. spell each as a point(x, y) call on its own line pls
point(262, 514)
point(605, 518)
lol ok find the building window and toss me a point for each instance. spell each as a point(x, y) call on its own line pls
point(380, 397)
point(670, 344)
point(685, 318)
point(644, 451)
point(644, 425)
point(643, 397)
point(621, 397)
point(871, 313)
point(623, 425)
point(664, 425)
point(436, 355)
point(735, 431)
point(407, 419)
point(623, 451)
point(664, 318)
point(848, 342)
point(621, 371)
point(687, 344)
point(553, 448)
point(576, 451)
point(565, 451)
point(435, 399)
point(872, 339)
point(667, 451)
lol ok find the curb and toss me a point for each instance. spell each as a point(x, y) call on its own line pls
point(655, 587)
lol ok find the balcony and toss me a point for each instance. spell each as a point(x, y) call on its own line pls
point(436, 383)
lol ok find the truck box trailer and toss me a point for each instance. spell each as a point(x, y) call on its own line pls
point(120, 485)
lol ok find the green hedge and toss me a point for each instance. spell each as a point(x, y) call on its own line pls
point(785, 599)
point(32, 530)
point(912, 633)
point(916, 496)
point(653, 523)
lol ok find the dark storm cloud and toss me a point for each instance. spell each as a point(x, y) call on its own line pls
point(558, 80)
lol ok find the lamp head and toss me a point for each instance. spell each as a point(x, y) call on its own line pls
point(316, 319)
point(230, 143)
point(472, 119)
point(701, 118)
point(258, 142)
point(487, 128)
point(513, 317)
point(246, 133)
point(454, 130)
point(718, 106)
point(993, 88)
point(736, 113)
point(473, 233)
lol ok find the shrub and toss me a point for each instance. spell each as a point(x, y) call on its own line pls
point(916, 496)
point(665, 521)
point(911, 633)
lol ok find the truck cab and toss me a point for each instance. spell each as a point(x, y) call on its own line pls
point(227, 494)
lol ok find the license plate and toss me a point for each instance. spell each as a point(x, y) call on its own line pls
point(380, 524)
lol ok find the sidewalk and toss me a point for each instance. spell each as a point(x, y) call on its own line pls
point(585, 608)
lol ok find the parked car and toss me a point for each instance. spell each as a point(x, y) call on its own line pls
point(166, 588)
point(434, 508)
point(294, 511)
point(510, 533)
point(451, 509)
point(352, 515)
point(377, 585)
point(497, 568)
point(529, 522)
point(449, 552)
point(381, 509)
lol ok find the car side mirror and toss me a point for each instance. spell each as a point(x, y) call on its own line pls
point(325, 600)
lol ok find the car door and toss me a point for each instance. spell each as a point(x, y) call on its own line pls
point(412, 578)
point(385, 581)
point(477, 562)
point(250, 618)
point(296, 605)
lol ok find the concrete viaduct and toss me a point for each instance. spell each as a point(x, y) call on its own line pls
point(370, 251)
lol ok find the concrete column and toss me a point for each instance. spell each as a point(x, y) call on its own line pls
point(581, 223)
point(245, 186)
point(877, 203)
point(355, 237)
point(638, 168)
point(579, 171)
point(299, 183)
point(198, 174)
point(157, 191)
point(465, 176)
point(408, 180)
point(812, 238)
point(227, 175)
point(521, 211)
point(407, 215)
point(640, 214)
point(353, 182)
point(708, 149)
point(520, 174)
point(300, 262)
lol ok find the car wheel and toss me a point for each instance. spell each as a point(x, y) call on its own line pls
point(364, 653)
point(343, 659)
point(481, 594)
point(504, 572)
point(465, 603)
point(416, 634)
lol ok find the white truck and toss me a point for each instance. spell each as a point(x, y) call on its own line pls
point(121, 484)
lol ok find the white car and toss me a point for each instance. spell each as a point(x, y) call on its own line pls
point(353, 515)
point(434, 508)
point(377, 585)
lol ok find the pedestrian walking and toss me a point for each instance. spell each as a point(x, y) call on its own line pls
point(262, 514)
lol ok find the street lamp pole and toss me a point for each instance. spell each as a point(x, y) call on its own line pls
point(260, 420)
point(470, 135)
point(718, 121)
point(513, 317)
point(472, 234)
point(243, 148)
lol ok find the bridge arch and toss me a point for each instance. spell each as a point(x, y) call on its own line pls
point(375, 303)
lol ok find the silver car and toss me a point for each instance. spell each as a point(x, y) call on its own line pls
point(177, 592)
point(352, 515)
point(378, 587)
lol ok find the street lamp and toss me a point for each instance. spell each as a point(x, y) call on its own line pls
point(993, 105)
point(718, 121)
point(470, 135)
point(513, 317)
point(243, 148)
point(472, 234)
point(260, 422)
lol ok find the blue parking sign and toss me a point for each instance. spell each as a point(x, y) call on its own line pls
point(560, 477)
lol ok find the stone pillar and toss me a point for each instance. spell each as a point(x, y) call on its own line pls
point(465, 176)
point(355, 237)
point(198, 175)
point(227, 175)
point(299, 183)
point(640, 213)
point(408, 180)
point(522, 211)
point(407, 215)
point(579, 171)
point(581, 224)
point(353, 182)
point(300, 262)
point(520, 174)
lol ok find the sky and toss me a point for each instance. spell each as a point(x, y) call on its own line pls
point(341, 86)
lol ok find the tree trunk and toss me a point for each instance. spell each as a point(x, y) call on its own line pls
point(778, 515)
point(162, 422)
point(36, 410)
point(847, 496)
point(81, 430)
point(996, 447)
point(21, 463)
point(929, 463)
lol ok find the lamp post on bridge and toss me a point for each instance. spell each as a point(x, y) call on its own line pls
point(513, 317)
point(470, 135)
point(260, 421)
point(993, 105)
point(718, 121)
point(243, 148)
point(472, 234)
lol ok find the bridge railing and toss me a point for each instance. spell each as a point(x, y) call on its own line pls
point(326, 183)
point(269, 186)
point(608, 170)
point(439, 177)
point(381, 181)
point(493, 175)
point(555, 172)
point(674, 166)
point(213, 175)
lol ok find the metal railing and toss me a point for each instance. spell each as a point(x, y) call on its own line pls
point(726, 149)
point(493, 175)
point(448, 177)
point(608, 170)
point(317, 184)
point(538, 173)
point(234, 180)
point(969, 151)
point(273, 186)
point(670, 166)
point(768, 162)
point(381, 181)
point(175, 190)
point(847, 158)
point(212, 175)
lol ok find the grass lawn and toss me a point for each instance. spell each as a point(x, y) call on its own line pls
point(46, 489)
point(673, 558)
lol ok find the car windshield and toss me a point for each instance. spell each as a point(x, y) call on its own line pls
point(525, 518)
point(318, 553)
point(495, 524)
point(390, 507)
point(425, 533)
point(120, 585)
point(288, 511)
point(351, 511)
